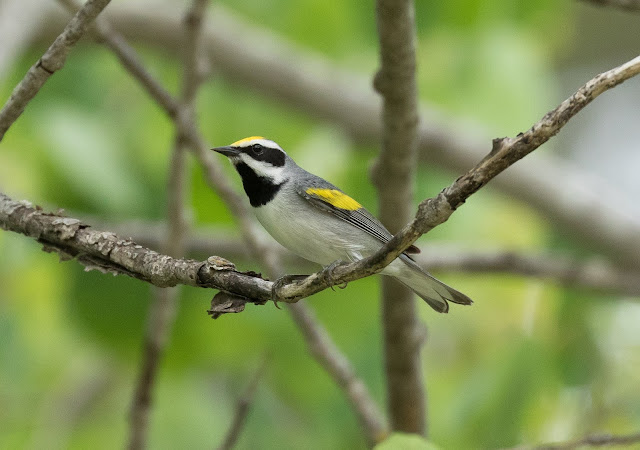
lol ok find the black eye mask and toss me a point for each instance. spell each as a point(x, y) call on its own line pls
point(272, 156)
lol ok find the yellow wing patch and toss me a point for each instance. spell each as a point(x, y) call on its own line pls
point(335, 198)
point(247, 139)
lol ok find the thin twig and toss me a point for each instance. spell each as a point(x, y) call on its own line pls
point(394, 176)
point(242, 410)
point(159, 321)
point(129, 59)
point(162, 312)
point(596, 440)
point(52, 61)
point(340, 369)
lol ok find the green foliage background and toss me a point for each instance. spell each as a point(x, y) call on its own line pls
point(530, 361)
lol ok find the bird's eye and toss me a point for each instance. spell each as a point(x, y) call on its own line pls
point(257, 149)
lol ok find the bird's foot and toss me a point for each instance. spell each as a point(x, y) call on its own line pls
point(327, 274)
point(280, 282)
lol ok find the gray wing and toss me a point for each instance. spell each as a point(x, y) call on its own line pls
point(359, 217)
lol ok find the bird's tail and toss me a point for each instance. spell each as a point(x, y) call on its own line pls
point(430, 289)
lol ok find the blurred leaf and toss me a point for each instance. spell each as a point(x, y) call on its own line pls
point(88, 155)
point(110, 309)
point(579, 360)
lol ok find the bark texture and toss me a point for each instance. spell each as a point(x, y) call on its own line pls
point(394, 176)
point(108, 253)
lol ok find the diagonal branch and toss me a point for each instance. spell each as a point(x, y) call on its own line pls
point(52, 61)
point(394, 176)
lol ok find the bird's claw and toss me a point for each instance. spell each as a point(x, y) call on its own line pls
point(327, 274)
point(280, 282)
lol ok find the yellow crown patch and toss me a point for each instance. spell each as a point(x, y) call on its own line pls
point(335, 198)
point(247, 139)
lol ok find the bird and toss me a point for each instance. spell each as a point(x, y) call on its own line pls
point(319, 222)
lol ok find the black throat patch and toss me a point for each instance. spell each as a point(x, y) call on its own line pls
point(260, 190)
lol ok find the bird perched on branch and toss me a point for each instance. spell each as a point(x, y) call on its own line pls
point(317, 221)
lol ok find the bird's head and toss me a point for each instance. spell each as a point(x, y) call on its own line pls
point(262, 156)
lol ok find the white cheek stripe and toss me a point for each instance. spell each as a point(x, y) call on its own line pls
point(264, 169)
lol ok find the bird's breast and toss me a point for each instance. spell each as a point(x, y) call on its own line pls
point(307, 231)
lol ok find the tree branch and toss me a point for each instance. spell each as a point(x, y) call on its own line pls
point(52, 61)
point(394, 176)
point(106, 252)
point(592, 273)
point(340, 369)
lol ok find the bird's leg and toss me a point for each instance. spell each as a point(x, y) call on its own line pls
point(327, 274)
point(282, 281)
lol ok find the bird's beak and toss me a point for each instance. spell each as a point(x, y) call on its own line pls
point(227, 151)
